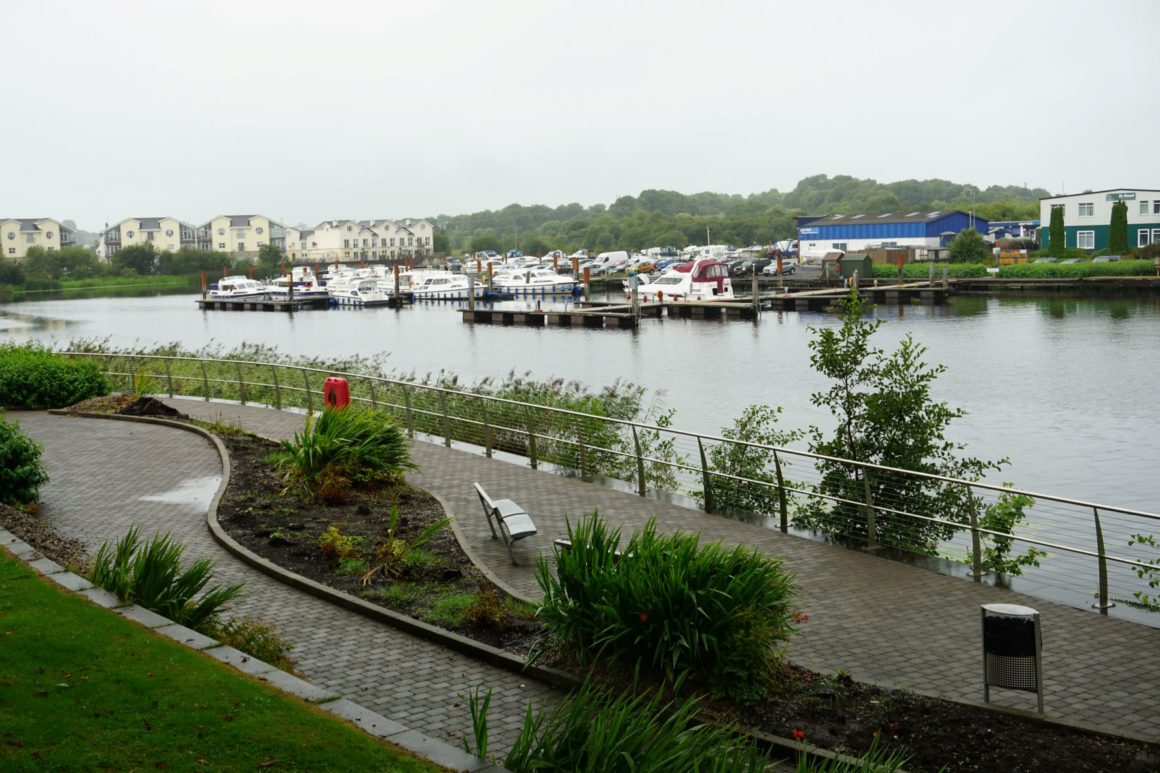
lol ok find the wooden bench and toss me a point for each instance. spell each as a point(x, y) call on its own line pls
point(514, 524)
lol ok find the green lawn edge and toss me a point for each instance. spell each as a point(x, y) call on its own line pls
point(84, 689)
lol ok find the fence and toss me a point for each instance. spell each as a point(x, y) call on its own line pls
point(1087, 553)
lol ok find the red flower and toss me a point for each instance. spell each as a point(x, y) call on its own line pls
point(644, 617)
point(798, 735)
point(800, 617)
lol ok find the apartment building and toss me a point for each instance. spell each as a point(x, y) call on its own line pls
point(241, 235)
point(356, 241)
point(18, 234)
point(167, 234)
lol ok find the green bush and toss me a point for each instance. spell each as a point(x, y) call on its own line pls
point(1077, 270)
point(21, 471)
point(150, 574)
point(34, 377)
point(731, 461)
point(669, 606)
point(913, 271)
point(342, 447)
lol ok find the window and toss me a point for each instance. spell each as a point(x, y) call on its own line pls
point(30, 238)
point(129, 234)
point(221, 232)
point(48, 235)
point(169, 232)
point(839, 246)
point(258, 230)
point(1156, 235)
point(221, 245)
point(241, 246)
point(1156, 207)
point(1143, 207)
point(1085, 240)
point(11, 235)
point(346, 243)
point(150, 235)
point(11, 250)
point(1086, 209)
point(1142, 238)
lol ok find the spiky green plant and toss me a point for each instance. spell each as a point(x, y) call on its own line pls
point(668, 605)
point(391, 555)
point(150, 574)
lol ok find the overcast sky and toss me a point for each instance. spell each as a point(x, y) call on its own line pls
point(308, 111)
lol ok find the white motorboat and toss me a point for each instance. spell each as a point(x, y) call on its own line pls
point(358, 293)
point(704, 279)
point(303, 282)
point(445, 286)
point(532, 281)
point(237, 288)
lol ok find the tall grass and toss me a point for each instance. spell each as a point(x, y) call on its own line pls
point(669, 606)
point(150, 575)
point(595, 730)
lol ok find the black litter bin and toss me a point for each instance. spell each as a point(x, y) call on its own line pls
point(1012, 650)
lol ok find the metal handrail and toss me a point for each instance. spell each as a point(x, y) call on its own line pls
point(629, 431)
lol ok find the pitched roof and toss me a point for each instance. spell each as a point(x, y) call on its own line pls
point(889, 217)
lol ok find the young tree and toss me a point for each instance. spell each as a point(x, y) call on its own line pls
point(886, 416)
point(969, 246)
point(1118, 230)
point(1055, 233)
point(139, 258)
point(758, 424)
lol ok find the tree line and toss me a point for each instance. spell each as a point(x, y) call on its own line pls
point(660, 217)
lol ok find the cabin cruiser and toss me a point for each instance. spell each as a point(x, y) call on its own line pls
point(532, 281)
point(704, 279)
point(237, 288)
point(445, 286)
point(301, 280)
point(358, 292)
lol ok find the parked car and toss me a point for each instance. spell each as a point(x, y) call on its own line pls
point(1075, 260)
point(749, 267)
point(1105, 258)
point(1048, 260)
point(788, 266)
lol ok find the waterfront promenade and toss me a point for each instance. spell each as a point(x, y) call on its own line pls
point(881, 621)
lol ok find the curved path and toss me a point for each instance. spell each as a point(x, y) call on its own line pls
point(107, 476)
point(882, 621)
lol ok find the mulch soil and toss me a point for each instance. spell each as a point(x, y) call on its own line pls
point(830, 711)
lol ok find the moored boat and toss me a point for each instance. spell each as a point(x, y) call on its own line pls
point(237, 288)
point(445, 286)
point(532, 281)
point(703, 279)
point(358, 293)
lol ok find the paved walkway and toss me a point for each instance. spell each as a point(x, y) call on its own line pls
point(882, 621)
point(106, 476)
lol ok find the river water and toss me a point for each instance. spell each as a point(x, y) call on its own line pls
point(1062, 387)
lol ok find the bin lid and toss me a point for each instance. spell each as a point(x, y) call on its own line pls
point(1008, 610)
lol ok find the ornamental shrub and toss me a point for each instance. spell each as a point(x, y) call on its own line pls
point(668, 605)
point(34, 377)
point(21, 471)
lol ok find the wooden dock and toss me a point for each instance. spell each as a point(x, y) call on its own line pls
point(261, 304)
point(604, 316)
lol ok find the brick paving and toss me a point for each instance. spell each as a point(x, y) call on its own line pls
point(106, 476)
point(882, 621)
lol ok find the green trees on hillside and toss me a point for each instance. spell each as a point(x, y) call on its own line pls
point(660, 217)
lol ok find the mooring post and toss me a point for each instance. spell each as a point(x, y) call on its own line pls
point(756, 298)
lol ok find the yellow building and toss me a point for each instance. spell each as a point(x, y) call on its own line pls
point(167, 234)
point(17, 235)
point(241, 235)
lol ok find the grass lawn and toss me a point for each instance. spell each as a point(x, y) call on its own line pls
point(83, 689)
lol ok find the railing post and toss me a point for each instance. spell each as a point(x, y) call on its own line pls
point(446, 420)
point(976, 542)
point(640, 487)
point(407, 412)
point(277, 387)
point(782, 499)
point(706, 484)
point(871, 522)
point(487, 438)
point(309, 394)
point(205, 379)
point(132, 377)
point(168, 378)
point(532, 454)
point(241, 383)
point(1103, 606)
point(584, 474)
point(371, 382)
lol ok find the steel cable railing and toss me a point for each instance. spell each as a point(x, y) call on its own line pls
point(1086, 548)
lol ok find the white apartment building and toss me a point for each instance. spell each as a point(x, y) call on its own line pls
point(18, 234)
point(241, 235)
point(167, 234)
point(355, 241)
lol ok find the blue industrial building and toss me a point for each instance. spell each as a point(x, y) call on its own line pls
point(858, 233)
